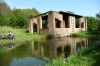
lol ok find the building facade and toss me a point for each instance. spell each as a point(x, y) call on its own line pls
point(59, 24)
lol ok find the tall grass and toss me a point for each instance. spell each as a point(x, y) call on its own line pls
point(20, 34)
point(87, 33)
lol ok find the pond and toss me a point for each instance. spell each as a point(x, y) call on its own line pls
point(39, 53)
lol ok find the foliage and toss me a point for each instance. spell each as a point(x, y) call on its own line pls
point(5, 13)
point(44, 23)
point(98, 16)
point(92, 23)
point(17, 20)
point(12, 21)
point(2, 20)
point(20, 17)
point(77, 22)
point(5, 9)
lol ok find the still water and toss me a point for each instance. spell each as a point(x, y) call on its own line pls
point(37, 53)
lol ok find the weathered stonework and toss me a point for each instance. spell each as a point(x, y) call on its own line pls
point(65, 23)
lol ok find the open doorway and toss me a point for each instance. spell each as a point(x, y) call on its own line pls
point(57, 23)
point(77, 22)
point(82, 25)
point(34, 27)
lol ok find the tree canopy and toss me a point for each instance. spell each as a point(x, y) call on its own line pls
point(5, 9)
point(92, 23)
point(98, 15)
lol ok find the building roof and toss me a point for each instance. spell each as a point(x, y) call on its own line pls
point(69, 14)
point(61, 12)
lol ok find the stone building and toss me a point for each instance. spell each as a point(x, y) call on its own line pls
point(59, 24)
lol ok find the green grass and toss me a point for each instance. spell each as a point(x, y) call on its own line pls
point(87, 33)
point(89, 57)
point(20, 34)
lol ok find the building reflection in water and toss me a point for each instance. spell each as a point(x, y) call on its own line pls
point(62, 47)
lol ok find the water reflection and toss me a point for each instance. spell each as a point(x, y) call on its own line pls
point(58, 47)
point(11, 45)
point(30, 53)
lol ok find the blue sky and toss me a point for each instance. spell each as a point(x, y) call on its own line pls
point(81, 7)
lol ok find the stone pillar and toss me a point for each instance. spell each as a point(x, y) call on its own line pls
point(87, 43)
point(40, 22)
point(31, 26)
point(51, 23)
point(38, 25)
point(42, 52)
point(69, 21)
point(32, 47)
point(63, 24)
point(85, 24)
point(83, 21)
point(79, 22)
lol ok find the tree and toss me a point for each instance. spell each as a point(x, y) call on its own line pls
point(2, 20)
point(18, 20)
point(5, 9)
point(98, 16)
point(92, 23)
point(21, 22)
point(12, 21)
point(5, 13)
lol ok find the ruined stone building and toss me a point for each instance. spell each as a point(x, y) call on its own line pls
point(59, 24)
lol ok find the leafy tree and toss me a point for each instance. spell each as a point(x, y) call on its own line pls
point(98, 16)
point(17, 20)
point(92, 23)
point(5, 9)
point(21, 21)
point(2, 20)
point(12, 21)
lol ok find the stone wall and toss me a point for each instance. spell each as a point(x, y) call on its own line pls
point(83, 24)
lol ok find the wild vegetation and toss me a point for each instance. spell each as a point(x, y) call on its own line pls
point(16, 18)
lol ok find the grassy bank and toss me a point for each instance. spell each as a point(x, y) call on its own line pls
point(89, 57)
point(88, 33)
point(20, 35)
